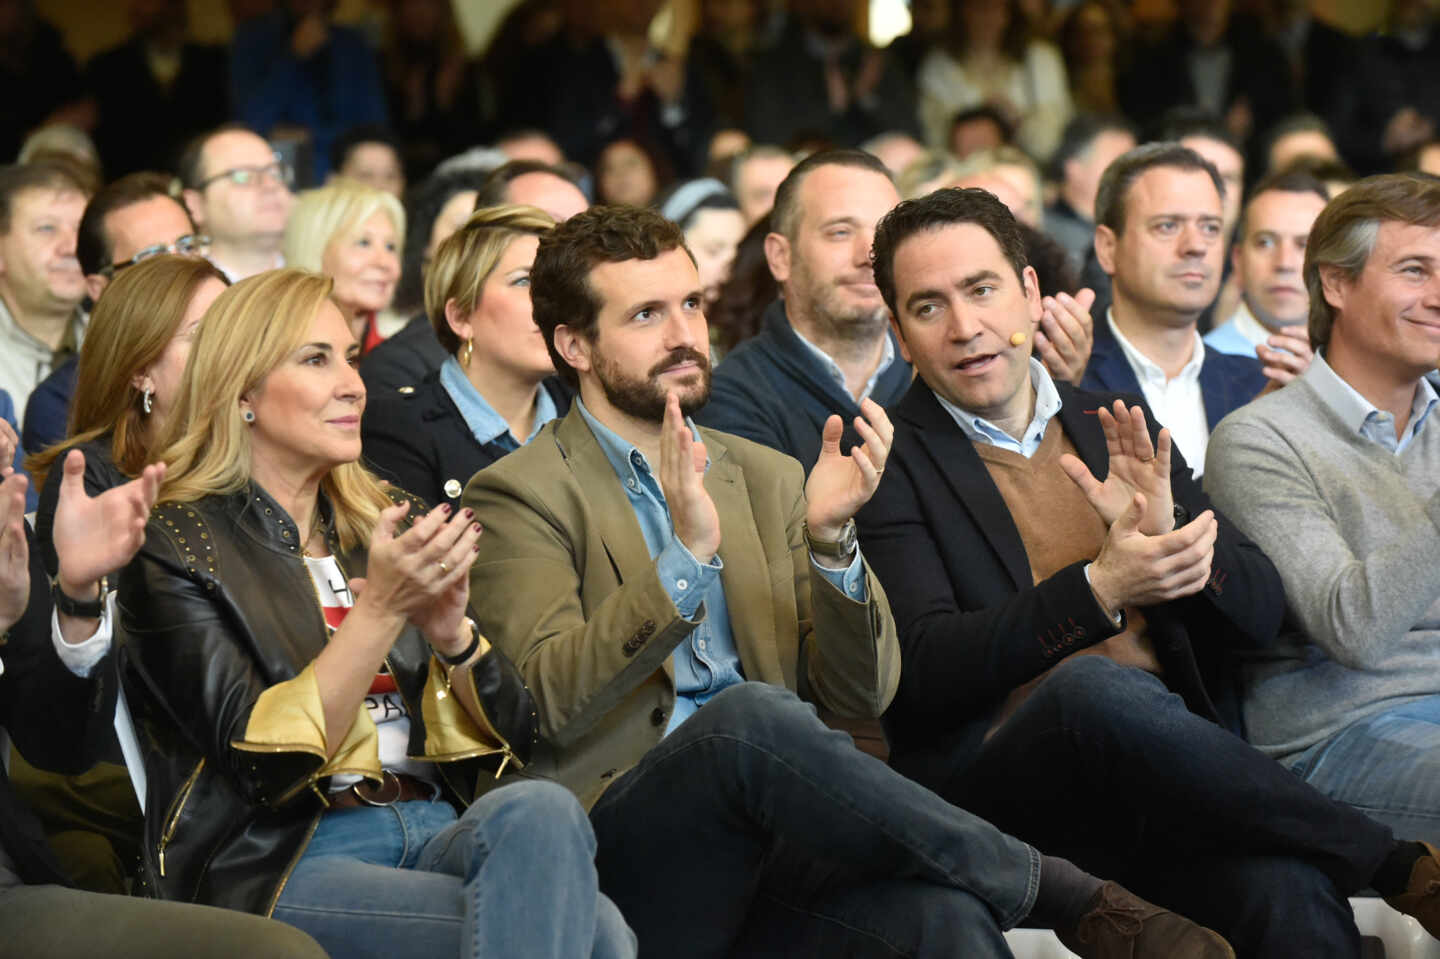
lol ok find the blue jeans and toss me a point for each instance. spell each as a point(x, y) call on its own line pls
point(1386, 765)
point(753, 829)
point(1103, 765)
point(513, 876)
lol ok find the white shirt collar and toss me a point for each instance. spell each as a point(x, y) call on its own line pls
point(1147, 371)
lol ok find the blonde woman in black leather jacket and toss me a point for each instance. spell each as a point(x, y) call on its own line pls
point(318, 707)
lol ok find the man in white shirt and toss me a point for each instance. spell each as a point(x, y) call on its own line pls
point(41, 285)
point(1160, 235)
point(1270, 319)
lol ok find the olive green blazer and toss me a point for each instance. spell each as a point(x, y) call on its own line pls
point(566, 587)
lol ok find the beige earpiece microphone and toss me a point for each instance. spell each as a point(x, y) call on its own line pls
point(1018, 338)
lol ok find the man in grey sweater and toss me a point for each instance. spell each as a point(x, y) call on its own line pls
point(1337, 478)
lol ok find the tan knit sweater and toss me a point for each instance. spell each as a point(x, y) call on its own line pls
point(1058, 527)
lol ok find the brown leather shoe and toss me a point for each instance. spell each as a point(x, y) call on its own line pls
point(1421, 897)
point(1121, 925)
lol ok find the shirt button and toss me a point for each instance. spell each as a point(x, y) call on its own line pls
point(682, 583)
point(632, 484)
point(701, 644)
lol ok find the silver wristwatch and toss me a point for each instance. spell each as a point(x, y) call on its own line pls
point(842, 548)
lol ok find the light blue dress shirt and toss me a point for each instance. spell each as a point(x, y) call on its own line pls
point(980, 430)
point(708, 661)
point(486, 425)
point(1363, 416)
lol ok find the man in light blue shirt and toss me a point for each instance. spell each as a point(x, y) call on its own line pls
point(1268, 324)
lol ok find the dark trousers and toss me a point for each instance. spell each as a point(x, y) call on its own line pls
point(1105, 766)
point(753, 829)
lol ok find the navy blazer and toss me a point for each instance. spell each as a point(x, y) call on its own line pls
point(1227, 381)
point(974, 625)
point(416, 438)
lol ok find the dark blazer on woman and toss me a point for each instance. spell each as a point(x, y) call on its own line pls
point(416, 438)
point(973, 623)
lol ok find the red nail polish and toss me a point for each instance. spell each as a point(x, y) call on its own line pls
point(475, 527)
point(469, 513)
point(445, 508)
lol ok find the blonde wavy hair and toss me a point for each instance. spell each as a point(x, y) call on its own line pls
point(467, 257)
point(247, 333)
point(132, 325)
point(327, 214)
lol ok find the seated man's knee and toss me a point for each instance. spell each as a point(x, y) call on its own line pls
point(1096, 683)
point(752, 704)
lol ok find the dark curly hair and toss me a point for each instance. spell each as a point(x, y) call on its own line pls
point(560, 291)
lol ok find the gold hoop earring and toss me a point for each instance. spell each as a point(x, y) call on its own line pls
point(466, 352)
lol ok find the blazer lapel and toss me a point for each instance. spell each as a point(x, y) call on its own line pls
point(746, 576)
point(1082, 425)
point(1108, 369)
point(956, 460)
point(610, 509)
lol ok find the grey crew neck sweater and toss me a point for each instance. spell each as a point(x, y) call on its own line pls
point(1355, 533)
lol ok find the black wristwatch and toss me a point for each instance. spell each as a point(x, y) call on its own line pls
point(465, 653)
point(837, 549)
point(81, 609)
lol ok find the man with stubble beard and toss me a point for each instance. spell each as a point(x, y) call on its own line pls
point(825, 346)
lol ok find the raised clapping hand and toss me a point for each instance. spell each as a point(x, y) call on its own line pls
point(1144, 559)
point(1066, 335)
point(97, 535)
point(14, 551)
point(682, 480)
point(1135, 467)
point(1286, 355)
point(8, 442)
point(841, 483)
point(423, 574)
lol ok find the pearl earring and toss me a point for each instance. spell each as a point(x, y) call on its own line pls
point(147, 400)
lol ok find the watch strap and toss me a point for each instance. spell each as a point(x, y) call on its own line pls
point(832, 549)
point(80, 608)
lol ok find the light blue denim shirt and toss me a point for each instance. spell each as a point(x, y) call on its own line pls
point(980, 430)
point(887, 356)
point(486, 425)
point(1363, 416)
point(708, 661)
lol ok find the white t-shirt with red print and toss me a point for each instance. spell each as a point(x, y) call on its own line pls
point(384, 702)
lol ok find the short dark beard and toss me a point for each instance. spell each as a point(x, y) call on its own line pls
point(643, 398)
